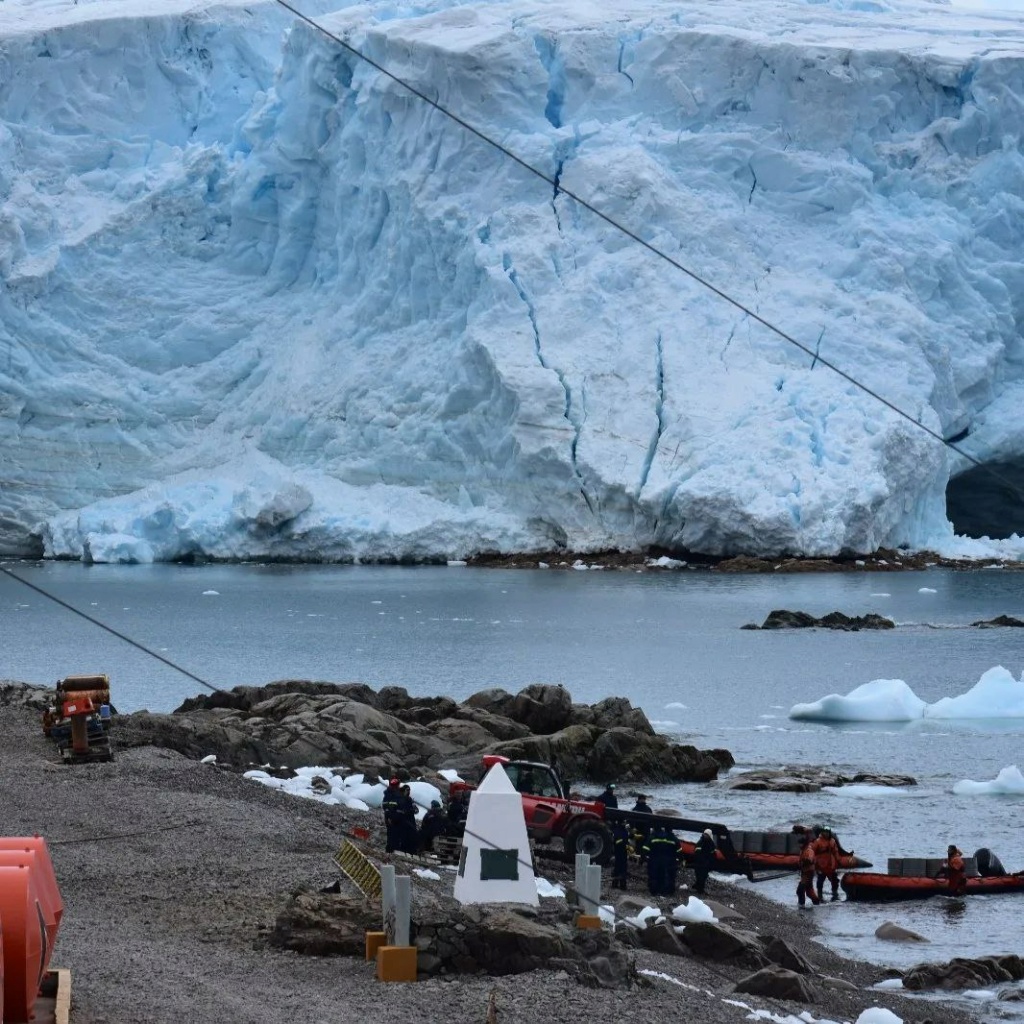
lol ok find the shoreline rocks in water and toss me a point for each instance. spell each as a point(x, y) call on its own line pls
point(300, 723)
point(782, 618)
point(803, 779)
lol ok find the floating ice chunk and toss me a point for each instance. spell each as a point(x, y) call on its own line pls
point(1009, 782)
point(866, 792)
point(926, 590)
point(211, 593)
point(456, 562)
point(664, 723)
point(675, 705)
point(889, 983)
point(995, 695)
point(881, 700)
point(665, 563)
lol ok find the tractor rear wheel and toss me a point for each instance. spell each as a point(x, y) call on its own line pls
point(591, 837)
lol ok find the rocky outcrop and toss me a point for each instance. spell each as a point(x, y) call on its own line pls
point(999, 620)
point(804, 779)
point(782, 618)
point(300, 722)
point(451, 939)
point(961, 972)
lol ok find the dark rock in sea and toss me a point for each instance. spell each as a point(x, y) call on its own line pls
point(961, 972)
point(892, 932)
point(808, 779)
point(299, 722)
point(781, 618)
point(999, 620)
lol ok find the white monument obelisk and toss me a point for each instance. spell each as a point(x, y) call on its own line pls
point(496, 865)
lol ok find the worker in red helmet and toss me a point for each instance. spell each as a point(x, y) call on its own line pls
point(389, 805)
point(826, 863)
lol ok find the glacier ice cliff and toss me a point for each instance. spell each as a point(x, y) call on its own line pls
point(257, 300)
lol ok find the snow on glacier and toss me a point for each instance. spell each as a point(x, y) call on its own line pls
point(997, 694)
point(259, 301)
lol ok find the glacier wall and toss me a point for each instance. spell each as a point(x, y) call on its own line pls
point(258, 301)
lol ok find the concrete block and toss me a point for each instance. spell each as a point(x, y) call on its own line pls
point(374, 940)
point(396, 963)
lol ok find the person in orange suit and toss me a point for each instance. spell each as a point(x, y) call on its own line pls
point(953, 870)
point(826, 863)
point(805, 888)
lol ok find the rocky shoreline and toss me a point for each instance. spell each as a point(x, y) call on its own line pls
point(299, 722)
point(179, 878)
point(659, 560)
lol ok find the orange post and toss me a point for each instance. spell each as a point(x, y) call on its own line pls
point(396, 963)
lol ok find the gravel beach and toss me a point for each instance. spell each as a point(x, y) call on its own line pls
point(173, 871)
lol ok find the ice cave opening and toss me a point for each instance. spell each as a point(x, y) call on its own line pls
point(985, 501)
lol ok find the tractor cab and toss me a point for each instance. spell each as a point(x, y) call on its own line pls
point(530, 777)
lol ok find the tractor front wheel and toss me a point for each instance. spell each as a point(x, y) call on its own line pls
point(593, 838)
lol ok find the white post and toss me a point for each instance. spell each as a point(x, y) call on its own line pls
point(403, 906)
point(593, 888)
point(388, 898)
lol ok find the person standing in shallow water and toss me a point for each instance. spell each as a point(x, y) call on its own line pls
point(826, 863)
point(805, 888)
point(954, 871)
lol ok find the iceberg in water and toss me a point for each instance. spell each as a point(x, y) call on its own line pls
point(881, 700)
point(996, 695)
point(1009, 782)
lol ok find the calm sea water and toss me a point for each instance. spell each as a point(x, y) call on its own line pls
point(663, 639)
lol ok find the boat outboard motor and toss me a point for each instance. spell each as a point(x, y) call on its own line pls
point(989, 865)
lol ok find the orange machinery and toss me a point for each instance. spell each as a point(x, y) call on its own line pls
point(30, 913)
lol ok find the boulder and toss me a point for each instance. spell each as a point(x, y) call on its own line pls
point(717, 941)
point(999, 620)
point(325, 924)
point(961, 972)
point(892, 932)
point(784, 955)
point(721, 911)
point(497, 726)
point(777, 983)
point(543, 708)
point(618, 712)
point(662, 938)
point(496, 701)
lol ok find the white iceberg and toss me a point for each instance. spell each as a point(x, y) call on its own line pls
point(1009, 782)
point(881, 700)
point(995, 695)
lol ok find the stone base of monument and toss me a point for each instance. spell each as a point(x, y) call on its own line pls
point(374, 940)
point(396, 963)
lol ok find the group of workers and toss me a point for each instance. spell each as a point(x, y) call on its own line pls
point(402, 833)
point(819, 863)
point(657, 847)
